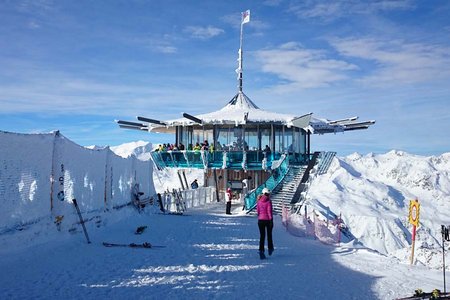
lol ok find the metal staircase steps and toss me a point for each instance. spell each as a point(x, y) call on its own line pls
point(284, 192)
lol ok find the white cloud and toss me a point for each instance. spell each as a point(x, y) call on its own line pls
point(272, 2)
point(379, 63)
point(396, 61)
point(302, 68)
point(203, 33)
point(165, 49)
point(331, 10)
point(33, 25)
point(38, 7)
point(161, 45)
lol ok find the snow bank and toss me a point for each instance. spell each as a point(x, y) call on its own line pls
point(40, 174)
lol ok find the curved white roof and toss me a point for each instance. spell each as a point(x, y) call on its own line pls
point(241, 110)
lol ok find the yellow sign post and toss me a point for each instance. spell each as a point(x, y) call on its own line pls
point(414, 210)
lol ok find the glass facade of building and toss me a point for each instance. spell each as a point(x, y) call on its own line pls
point(248, 147)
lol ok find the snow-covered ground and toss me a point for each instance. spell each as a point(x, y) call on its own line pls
point(208, 254)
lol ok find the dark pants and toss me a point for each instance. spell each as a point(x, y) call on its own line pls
point(263, 226)
point(228, 210)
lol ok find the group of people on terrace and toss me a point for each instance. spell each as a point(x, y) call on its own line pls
point(173, 147)
point(170, 147)
point(205, 146)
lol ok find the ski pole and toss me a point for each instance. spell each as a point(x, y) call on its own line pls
point(445, 236)
point(81, 220)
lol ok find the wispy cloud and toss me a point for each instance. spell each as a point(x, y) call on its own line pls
point(331, 10)
point(203, 33)
point(396, 61)
point(272, 2)
point(378, 63)
point(38, 7)
point(34, 88)
point(165, 49)
point(164, 44)
point(302, 68)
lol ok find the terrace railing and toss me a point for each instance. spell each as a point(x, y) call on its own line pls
point(202, 159)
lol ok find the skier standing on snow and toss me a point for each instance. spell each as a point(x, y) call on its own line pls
point(265, 222)
point(228, 197)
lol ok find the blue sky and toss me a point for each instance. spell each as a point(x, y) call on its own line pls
point(76, 66)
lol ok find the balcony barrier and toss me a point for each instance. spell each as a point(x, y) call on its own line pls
point(203, 159)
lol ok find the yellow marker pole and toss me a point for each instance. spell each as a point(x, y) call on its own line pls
point(414, 208)
point(413, 242)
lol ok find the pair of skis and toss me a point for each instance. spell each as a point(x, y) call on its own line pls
point(139, 230)
point(133, 245)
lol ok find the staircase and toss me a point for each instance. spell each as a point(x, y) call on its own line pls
point(285, 190)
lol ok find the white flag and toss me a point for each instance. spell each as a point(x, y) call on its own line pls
point(246, 16)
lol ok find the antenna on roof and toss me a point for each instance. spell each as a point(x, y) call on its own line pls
point(245, 19)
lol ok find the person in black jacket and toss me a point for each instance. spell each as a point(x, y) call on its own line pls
point(194, 184)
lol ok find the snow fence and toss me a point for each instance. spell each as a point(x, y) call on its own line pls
point(181, 200)
point(40, 174)
point(303, 226)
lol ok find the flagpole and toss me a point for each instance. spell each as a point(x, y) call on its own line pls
point(240, 57)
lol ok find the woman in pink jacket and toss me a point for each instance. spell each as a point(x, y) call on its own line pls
point(265, 222)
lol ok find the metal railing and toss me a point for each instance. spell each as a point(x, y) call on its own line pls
point(276, 177)
point(325, 159)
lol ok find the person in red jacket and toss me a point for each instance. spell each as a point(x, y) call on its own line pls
point(265, 222)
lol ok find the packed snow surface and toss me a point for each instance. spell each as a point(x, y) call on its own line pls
point(207, 255)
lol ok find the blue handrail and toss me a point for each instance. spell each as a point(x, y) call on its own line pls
point(276, 177)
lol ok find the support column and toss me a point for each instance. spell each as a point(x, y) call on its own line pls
point(309, 143)
point(272, 137)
